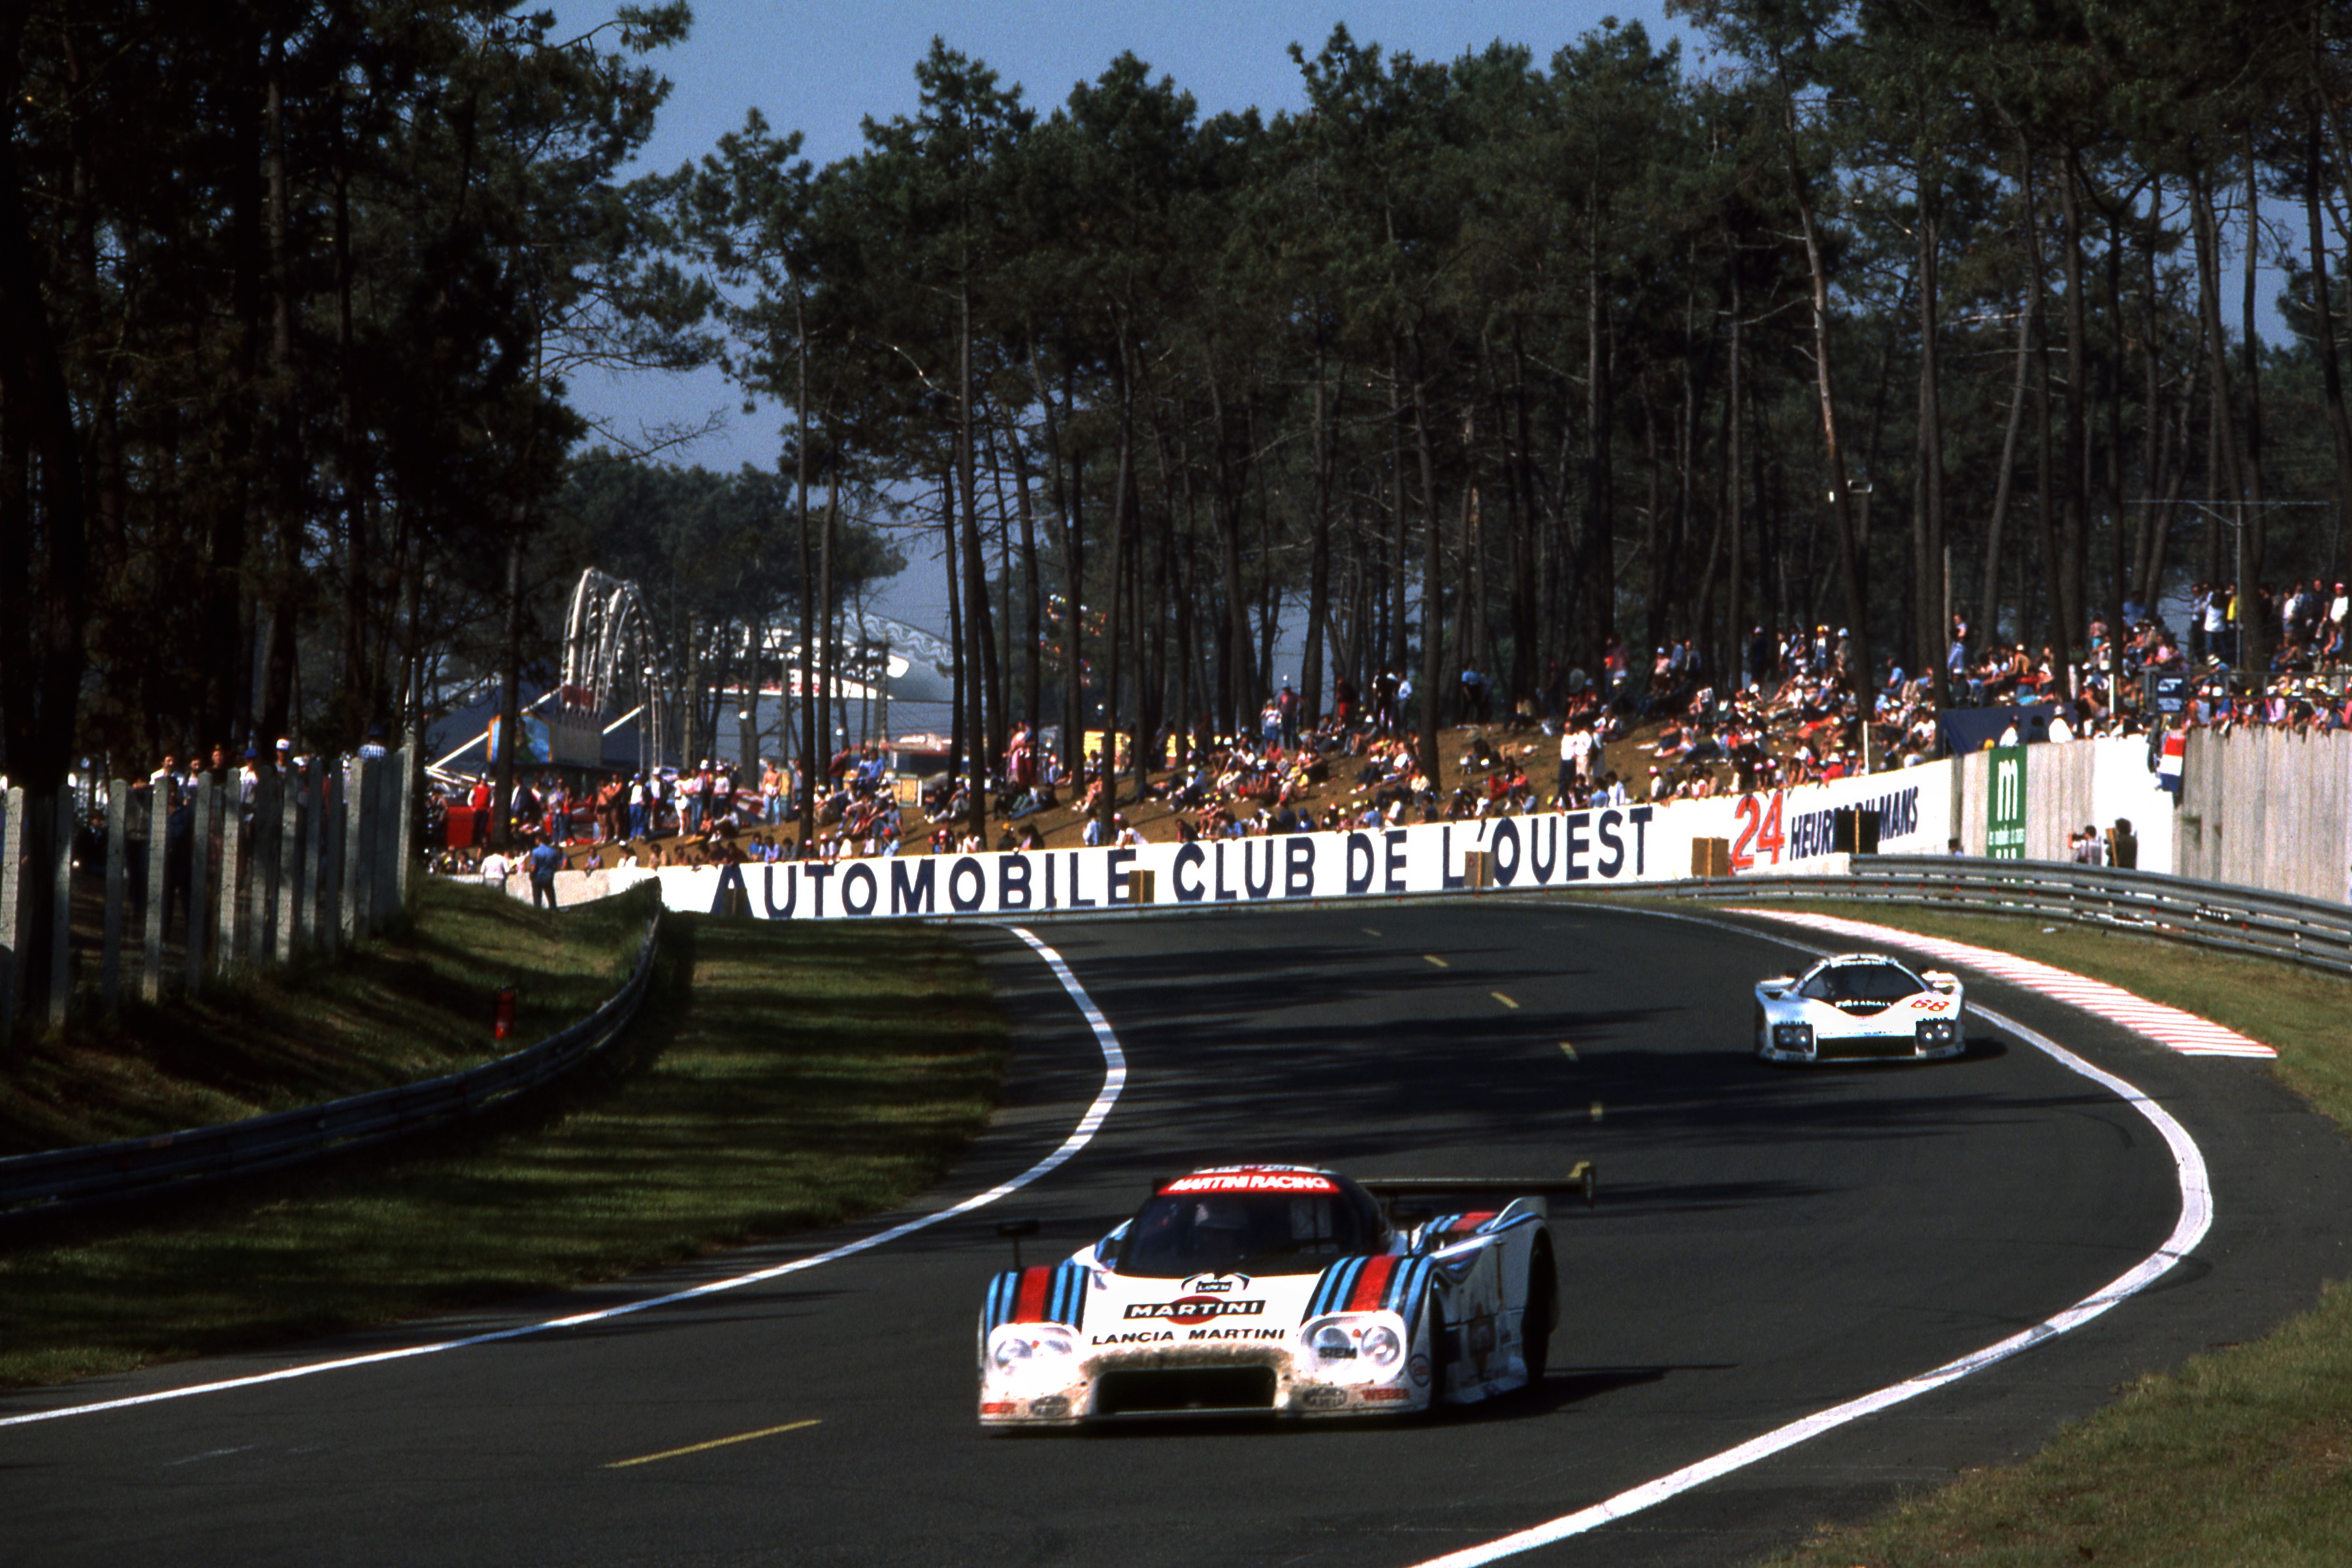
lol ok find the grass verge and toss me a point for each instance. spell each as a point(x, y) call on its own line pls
point(781, 1076)
point(2243, 1455)
point(412, 1005)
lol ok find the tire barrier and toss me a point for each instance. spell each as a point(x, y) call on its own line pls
point(59, 1180)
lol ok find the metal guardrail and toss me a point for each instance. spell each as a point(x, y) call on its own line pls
point(58, 1180)
point(2147, 903)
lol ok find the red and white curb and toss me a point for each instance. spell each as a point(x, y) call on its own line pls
point(2169, 1026)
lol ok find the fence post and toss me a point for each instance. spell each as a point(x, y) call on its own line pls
point(405, 847)
point(380, 819)
point(355, 838)
point(386, 847)
point(266, 835)
point(290, 859)
point(232, 815)
point(334, 790)
point(159, 888)
point(199, 884)
point(61, 910)
point(118, 849)
point(306, 898)
point(12, 905)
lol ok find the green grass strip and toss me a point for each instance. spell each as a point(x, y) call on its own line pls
point(2241, 1457)
point(781, 1076)
point(415, 1004)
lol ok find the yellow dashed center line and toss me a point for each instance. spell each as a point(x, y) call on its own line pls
point(1567, 1050)
point(714, 1443)
point(1506, 1001)
point(1437, 961)
point(1370, 931)
point(1596, 1110)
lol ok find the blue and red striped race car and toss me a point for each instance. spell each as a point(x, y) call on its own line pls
point(1287, 1289)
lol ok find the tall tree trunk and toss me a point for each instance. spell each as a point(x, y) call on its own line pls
point(1120, 507)
point(1432, 574)
point(1319, 555)
point(811, 768)
point(1596, 565)
point(2256, 526)
point(2331, 375)
point(1068, 498)
point(1737, 641)
point(1857, 607)
point(2045, 470)
point(1395, 564)
point(1927, 556)
point(509, 689)
point(1030, 591)
point(958, 700)
point(975, 651)
point(2068, 585)
point(1526, 582)
point(1234, 638)
point(2222, 422)
point(2112, 385)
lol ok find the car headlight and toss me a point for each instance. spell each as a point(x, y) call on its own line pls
point(1792, 1037)
point(1020, 1350)
point(1355, 1347)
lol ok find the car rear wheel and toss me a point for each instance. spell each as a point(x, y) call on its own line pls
point(1542, 1313)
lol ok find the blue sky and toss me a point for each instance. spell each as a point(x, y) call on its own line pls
point(821, 68)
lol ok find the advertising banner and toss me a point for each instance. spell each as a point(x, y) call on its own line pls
point(2005, 804)
point(1778, 830)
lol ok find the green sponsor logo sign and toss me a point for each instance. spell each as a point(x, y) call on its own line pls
point(2005, 804)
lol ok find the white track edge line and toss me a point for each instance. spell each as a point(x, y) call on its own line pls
point(1114, 1081)
point(2196, 1219)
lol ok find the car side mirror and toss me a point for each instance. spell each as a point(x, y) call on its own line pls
point(1013, 1230)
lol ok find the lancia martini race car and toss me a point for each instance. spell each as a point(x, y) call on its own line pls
point(1859, 1005)
point(1280, 1288)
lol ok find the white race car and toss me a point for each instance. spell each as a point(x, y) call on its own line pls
point(1860, 1005)
point(1282, 1289)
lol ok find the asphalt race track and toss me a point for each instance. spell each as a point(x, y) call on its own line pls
point(1769, 1242)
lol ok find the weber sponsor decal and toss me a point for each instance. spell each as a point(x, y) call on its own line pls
point(1190, 1309)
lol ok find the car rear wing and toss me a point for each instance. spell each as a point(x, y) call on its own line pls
point(1582, 1181)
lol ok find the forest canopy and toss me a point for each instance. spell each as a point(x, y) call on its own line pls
point(1902, 314)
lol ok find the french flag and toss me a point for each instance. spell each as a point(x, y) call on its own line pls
point(2167, 761)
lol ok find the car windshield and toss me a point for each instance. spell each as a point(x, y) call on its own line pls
point(1204, 1231)
point(1861, 983)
